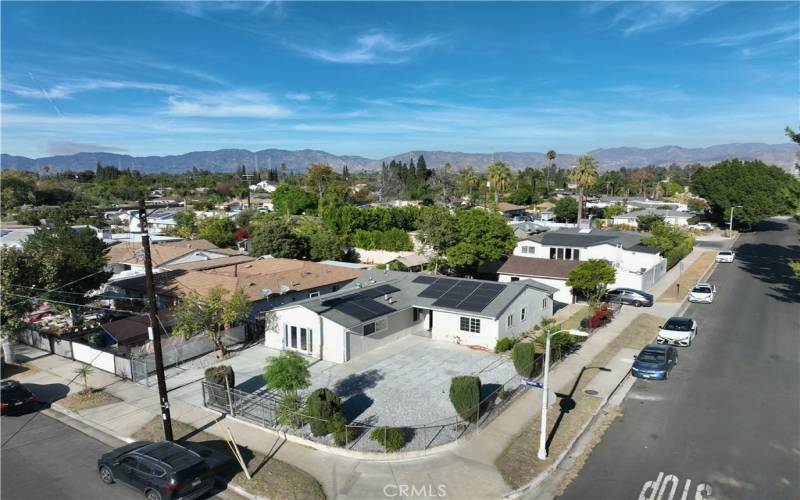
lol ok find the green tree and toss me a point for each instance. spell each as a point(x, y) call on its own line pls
point(217, 230)
point(482, 237)
point(323, 242)
point(566, 209)
point(438, 230)
point(292, 200)
point(523, 195)
point(647, 222)
point(467, 182)
point(273, 236)
point(287, 373)
point(210, 314)
point(465, 395)
point(17, 189)
point(499, 177)
point(592, 277)
point(585, 175)
point(672, 242)
point(319, 177)
point(186, 224)
point(67, 264)
point(613, 210)
point(761, 190)
point(17, 275)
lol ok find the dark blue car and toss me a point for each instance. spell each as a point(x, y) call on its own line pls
point(655, 362)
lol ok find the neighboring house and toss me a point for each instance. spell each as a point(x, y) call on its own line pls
point(377, 257)
point(637, 266)
point(267, 282)
point(158, 221)
point(510, 210)
point(673, 217)
point(414, 262)
point(551, 272)
point(132, 331)
point(383, 306)
point(524, 229)
point(265, 186)
point(129, 256)
point(15, 235)
point(632, 203)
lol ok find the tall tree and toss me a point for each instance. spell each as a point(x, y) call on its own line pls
point(319, 177)
point(210, 314)
point(217, 230)
point(437, 230)
point(584, 174)
point(551, 155)
point(17, 276)
point(499, 177)
point(592, 277)
point(274, 237)
point(467, 182)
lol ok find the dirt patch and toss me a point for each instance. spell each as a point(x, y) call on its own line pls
point(8, 370)
point(84, 400)
point(688, 278)
point(272, 478)
point(518, 463)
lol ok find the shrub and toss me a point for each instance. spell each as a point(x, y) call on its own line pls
point(465, 394)
point(96, 340)
point(322, 405)
point(505, 344)
point(524, 356)
point(218, 374)
point(391, 438)
point(559, 343)
point(341, 433)
point(290, 411)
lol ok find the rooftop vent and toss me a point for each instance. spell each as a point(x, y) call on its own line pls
point(359, 285)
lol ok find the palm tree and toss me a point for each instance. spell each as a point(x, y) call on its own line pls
point(499, 176)
point(467, 182)
point(585, 175)
point(84, 371)
point(551, 155)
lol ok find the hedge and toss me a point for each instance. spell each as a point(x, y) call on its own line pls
point(524, 356)
point(465, 394)
point(391, 438)
point(218, 374)
point(322, 405)
point(505, 344)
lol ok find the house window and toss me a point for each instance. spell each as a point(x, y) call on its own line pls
point(313, 294)
point(509, 320)
point(529, 250)
point(544, 303)
point(568, 253)
point(515, 278)
point(375, 326)
point(559, 253)
point(576, 254)
point(472, 325)
point(334, 288)
point(522, 315)
point(552, 253)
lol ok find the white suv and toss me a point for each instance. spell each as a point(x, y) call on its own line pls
point(703, 292)
point(725, 256)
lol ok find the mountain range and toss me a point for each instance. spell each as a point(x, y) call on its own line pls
point(782, 155)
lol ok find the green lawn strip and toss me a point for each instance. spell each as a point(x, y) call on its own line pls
point(272, 478)
point(518, 463)
point(86, 400)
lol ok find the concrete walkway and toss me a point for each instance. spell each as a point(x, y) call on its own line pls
point(466, 471)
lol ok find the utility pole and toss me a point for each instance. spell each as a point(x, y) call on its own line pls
point(155, 325)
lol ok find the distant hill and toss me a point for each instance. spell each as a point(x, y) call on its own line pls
point(782, 155)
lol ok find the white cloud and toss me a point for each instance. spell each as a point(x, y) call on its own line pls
point(649, 93)
point(634, 17)
point(740, 38)
point(373, 47)
point(298, 96)
point(67, 90)
point(234, 104)
point(69, 147)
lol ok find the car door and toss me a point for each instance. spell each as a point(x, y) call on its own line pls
point(147, 475)
point(125, 471)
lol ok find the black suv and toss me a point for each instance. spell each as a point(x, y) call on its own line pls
point(629, 296)
point(163, 471)
point(15, 398)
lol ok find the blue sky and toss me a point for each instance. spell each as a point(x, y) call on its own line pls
point(375, 79)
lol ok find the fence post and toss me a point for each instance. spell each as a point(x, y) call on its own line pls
point(203, 385)
point(230, 399)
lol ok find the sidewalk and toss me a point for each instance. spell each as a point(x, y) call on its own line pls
point(466, 471)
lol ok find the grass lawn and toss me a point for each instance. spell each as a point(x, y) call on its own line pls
point(688, 278)
point(84, 400)
point(272, 478)
point(574, 321)
point(518, 464)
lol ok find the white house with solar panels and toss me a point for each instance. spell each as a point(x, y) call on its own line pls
point(383, 306)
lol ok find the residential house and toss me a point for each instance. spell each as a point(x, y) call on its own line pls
point(510, 210)
point(268, 282)
point(551, 272)
point(672, 217)
point(382, 306)
point(264, 186)
point(637, 266)
point(159, 221)
point(129, 256)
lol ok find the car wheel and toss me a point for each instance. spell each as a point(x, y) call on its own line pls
point(637, 303)
point(106, 475)
point(152, 495)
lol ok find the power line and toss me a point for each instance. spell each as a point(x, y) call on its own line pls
point(44, 299)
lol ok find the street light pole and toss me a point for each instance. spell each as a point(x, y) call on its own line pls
point(542, 454)
point(730, 224)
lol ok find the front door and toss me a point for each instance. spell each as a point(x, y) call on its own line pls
point(430, 319)
point(299, 339)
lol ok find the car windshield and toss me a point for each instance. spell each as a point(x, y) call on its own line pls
point(678, 325)
point(725, 253)
point(702, 289)
point(651, 357)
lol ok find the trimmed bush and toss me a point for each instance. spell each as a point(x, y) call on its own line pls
point(290, 411)
point(341, 433)
point(322, 405)
point(465, 394)
point(218, 374)
point(524, 356)
point(505, 344)
point(96, 340)
point(391, 438)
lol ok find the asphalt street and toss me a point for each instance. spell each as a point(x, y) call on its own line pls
point(726, 424)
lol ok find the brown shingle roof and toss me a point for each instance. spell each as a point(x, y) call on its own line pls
point(508, 207)
point(533, 267)
point(297, 275)
point(131, 252)
point(201, 265)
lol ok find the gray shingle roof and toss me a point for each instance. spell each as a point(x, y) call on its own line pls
point(653, 211)
point(405, 294)
point(574, 238)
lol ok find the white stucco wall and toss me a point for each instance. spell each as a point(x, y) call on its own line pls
point(447, 327)
point(197, 256)
point(563, 294)
point(299, 317)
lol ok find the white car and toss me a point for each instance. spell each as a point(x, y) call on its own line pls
point(725, 256)
point(677, 331)
point(703, 292)
point(702, 226)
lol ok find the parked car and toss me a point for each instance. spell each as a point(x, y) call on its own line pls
point(162, 471)
point(677, 331)
point(15, 398)
point(703, 292)
point(702, 226)
point(655, 362)
point(725, 256)
point(629, 296)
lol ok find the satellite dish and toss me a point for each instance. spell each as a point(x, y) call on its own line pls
point(266, 292)
point(283, 289)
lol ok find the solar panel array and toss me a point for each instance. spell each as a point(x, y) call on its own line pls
point(358, 306)
point(426, 280)
point(459, 294)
